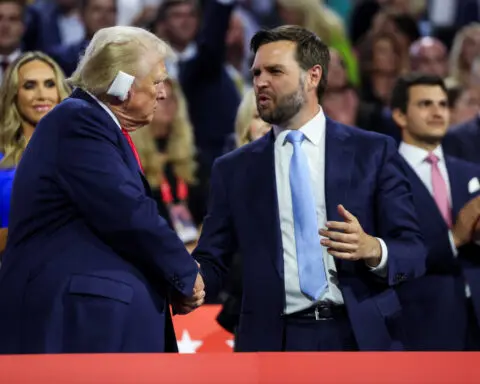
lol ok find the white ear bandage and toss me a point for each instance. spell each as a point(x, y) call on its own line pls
point(121, 85)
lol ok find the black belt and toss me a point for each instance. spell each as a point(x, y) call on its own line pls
point(321, 311)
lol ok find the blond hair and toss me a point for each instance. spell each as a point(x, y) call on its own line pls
point(12, 142)
point(180, 150)
point(121, 48)
point(457, 67)
point(317, 18)
point(243, 120)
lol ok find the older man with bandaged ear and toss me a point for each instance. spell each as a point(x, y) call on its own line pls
point(90, 266)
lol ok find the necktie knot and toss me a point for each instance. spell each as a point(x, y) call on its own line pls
point(295, 136)
point(432, 158)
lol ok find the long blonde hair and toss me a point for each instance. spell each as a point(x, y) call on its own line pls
point(457, 66)
point(180, 149)
point(243, 119)
point(317, 18)
point(12, 142)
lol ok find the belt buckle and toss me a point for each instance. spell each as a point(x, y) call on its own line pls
point(323, 312)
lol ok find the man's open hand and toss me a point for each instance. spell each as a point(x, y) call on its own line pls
point(347, 240)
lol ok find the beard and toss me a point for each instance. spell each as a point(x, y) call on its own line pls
point(286, 108)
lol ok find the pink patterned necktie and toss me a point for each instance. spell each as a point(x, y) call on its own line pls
point(440, 192)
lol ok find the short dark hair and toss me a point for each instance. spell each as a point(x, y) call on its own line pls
point(400, 93)
point(85, 3)
point(166, 5)
point(310, 49)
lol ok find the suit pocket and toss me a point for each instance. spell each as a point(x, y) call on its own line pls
point(390, 308)
point(388, 304)
point(95, 314)
point(86, 285)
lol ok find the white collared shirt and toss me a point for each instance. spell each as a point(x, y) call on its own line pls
point(416, 158)
point(314, 147)
point(108, 110)
point(71, 29)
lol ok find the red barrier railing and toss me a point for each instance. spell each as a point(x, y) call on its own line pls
point(200, 334)
point(250, 368)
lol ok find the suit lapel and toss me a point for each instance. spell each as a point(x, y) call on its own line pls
point(263, 195)
point(425, 203)
point(458, 186)
point(339, 156)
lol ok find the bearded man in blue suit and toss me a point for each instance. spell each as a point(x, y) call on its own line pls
point(321, 214)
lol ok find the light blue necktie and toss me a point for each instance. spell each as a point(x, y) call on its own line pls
point(311, 270)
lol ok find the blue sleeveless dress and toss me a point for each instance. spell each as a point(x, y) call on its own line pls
point(6, 182)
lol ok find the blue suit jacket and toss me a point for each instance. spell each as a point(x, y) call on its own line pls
point(463, 141)
point(89, 263)
point(363, 172)
point(434, 312)
point(43, 31)
point(206, 83)
point(68, 56)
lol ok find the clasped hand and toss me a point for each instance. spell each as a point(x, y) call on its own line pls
point(183, 305)
point(347, 240)
point(467, 224)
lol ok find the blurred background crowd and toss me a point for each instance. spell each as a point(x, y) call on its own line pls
point(210, 106)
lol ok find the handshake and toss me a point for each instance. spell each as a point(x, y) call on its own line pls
point(183, 305)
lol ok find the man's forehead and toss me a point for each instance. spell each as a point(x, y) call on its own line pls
point(430, 50)
point(424, 91)
point(283, 46)
point(276, 51)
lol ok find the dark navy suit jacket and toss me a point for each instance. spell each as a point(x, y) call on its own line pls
point(43, 30)
point(463, 141)
point(206, 83)
point(68, 56)
point(434, 305)
point(89, 263)
point(365, 173)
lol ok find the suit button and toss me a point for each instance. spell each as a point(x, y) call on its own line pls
point(399, 277)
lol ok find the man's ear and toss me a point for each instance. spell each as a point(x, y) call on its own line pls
point(314, 77)
point(130, 94)
point(400, 118)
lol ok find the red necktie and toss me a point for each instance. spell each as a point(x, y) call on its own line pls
point(132, 146)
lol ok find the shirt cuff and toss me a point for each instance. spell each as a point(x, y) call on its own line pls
point(452, 244)
point(226, 2)
point(381, 269)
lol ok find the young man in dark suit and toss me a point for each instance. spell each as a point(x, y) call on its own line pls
point(440, 309)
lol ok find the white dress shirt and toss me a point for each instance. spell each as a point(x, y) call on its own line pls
point(108, 110)
point(442, 12)
point(416, 158)
point(314, 147)
point(71, 29)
